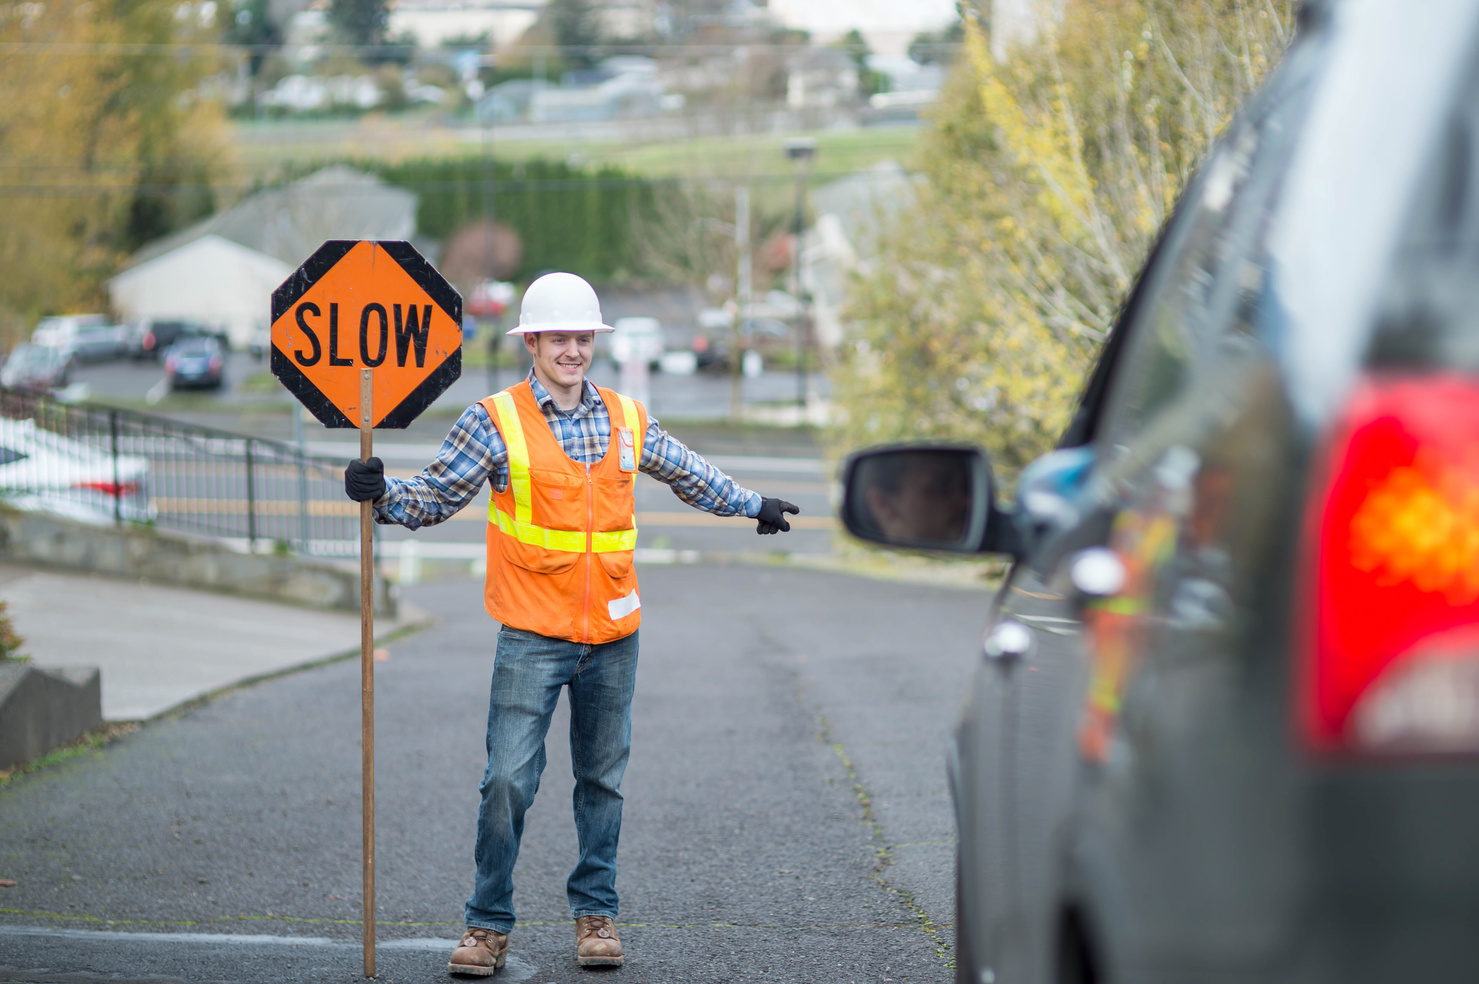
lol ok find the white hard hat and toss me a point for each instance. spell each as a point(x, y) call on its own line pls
point(559, 302)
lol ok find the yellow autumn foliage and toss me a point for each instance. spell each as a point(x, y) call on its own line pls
point(1045, 181)
point(106, 140)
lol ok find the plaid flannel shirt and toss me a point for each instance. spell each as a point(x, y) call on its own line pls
point(474, 452)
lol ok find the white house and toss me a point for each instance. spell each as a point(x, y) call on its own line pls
point(221, 271)
point(211, 280)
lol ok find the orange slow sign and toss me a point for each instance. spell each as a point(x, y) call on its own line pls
point(357, 305)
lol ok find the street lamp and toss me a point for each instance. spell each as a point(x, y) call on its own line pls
point(801, 150)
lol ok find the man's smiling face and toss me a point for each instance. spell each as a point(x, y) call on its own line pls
point(562, 357)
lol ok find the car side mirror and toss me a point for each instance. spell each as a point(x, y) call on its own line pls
point(923, 497)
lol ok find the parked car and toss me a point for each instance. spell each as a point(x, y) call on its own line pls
point(1225, 725)
point(45, 471)
point(636, 339)
point(195, 362)
point(35, 368)
point(80, 337)
point(152, 339)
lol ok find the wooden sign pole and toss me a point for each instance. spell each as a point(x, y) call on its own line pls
point(367, 665)
point(381, 283)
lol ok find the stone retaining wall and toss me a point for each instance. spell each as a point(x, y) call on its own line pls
point(134, 551)
point(42, 709)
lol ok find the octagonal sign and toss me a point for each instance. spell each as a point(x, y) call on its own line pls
point(356, 305)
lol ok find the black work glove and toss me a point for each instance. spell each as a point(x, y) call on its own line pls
point(772, 516)
point(364, 481)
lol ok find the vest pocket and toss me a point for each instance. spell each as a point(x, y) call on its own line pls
point(558, 504)
point(539, 559)
point(558, 498)
point(617, 563)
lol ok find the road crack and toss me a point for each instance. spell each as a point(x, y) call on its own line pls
point(883, 857)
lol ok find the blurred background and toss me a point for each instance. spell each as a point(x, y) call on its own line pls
point(815, 224)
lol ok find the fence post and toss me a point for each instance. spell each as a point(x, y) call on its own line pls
point(303, 532)
point(117, 485)
point(251, 500)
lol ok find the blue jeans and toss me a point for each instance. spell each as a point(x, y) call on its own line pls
point(528, 673)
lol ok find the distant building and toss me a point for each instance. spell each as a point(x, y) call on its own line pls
point(626, 96)
point(821, 78)
point(221, 271)
point(433, 22)
point(507, 101)
point(625, 87)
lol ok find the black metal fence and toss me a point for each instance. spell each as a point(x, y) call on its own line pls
point(107, 465)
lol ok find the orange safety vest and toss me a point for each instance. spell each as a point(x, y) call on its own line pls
point(561, 536)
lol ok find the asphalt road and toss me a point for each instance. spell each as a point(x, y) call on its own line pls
point(787, 815)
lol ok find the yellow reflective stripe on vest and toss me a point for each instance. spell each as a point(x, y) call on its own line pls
point(512, 430)
point(570, 541)
point(613, 541)
point(634, 424)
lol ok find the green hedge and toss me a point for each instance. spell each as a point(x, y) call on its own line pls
point(568, 218)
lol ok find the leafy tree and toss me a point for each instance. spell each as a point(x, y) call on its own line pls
point(931, 47)
point(252, 26)
point(361, 22)
point(1056, 171)
point(103, 143)
point(576, 25)
point(857, 49)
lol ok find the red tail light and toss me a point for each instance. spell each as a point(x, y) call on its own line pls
point(148, 341)
point(110, 488)
point(1391, 643)
point(215, 363)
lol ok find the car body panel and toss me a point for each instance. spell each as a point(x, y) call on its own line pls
point(35, 368)
point(43, 471)
point(636, 338)
point(1138, 770)
point(83, 337)
point(195, 361)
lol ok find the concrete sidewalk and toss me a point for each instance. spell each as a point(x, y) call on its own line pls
point(159, 647)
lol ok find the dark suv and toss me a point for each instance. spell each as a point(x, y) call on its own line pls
point(1226, 722)
point(152, 339)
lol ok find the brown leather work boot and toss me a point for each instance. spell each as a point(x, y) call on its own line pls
point(480, 953)
point(597, 943)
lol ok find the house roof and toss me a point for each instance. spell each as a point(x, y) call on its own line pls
point(290, 222)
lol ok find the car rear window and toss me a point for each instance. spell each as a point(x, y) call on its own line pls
point(1429, 312)
point(196, 346)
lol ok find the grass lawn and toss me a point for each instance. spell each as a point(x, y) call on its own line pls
point(264, 147)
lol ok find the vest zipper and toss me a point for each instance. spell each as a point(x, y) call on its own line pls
point(590, 557)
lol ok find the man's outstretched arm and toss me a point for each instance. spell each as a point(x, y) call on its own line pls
point(472, 451)
point(702, 485)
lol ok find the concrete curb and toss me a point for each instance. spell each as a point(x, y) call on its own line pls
point(141, 552)
point(43, 709)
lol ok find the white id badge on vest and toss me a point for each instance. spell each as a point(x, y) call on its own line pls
point(628, 448)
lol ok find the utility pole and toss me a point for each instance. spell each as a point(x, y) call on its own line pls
point(490, 213)
point(743, 290)
point(801, 150)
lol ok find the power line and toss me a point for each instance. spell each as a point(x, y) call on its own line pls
point(504, 186)
point(392, 48)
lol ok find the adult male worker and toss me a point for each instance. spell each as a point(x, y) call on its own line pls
point(563, 456)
